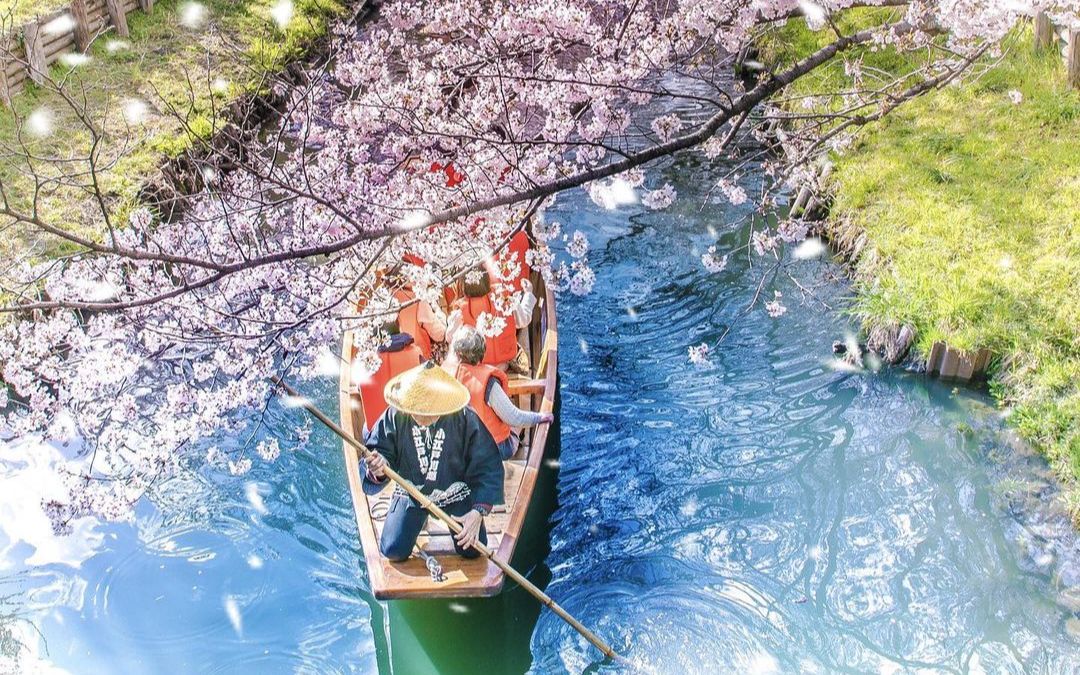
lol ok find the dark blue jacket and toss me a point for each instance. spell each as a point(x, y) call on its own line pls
point(458, 448)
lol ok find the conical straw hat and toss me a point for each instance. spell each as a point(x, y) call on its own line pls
point(426, 390)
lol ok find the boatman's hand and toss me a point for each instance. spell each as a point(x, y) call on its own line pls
point(470, 529)
point(376, 465)
point(546, 418)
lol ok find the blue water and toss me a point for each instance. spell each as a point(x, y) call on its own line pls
point(765, 513)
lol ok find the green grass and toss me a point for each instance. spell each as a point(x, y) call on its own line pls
point(164, 64)
point(971, 204)
point(18, 12)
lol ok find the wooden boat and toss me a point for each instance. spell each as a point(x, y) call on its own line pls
point(477, 577)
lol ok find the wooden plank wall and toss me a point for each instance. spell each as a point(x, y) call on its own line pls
point(35, 41)
point(1064, 38)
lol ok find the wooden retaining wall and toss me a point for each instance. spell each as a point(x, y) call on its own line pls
point(1064, 38)
point(947, 362)
point(27, 53)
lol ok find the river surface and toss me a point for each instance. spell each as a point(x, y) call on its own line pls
point(765, 513)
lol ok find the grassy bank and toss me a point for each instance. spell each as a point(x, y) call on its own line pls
point(969, 201)
point(190, 60)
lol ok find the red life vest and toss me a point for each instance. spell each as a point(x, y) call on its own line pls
point(517, 246)
point(393, 363)
point(503, 346)
point(408, 320)
point(476, 379)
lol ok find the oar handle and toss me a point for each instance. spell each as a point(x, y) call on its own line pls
point(454, 525)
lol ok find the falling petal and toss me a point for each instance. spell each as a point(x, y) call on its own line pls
point(233, 612)
point(113, 46)
point(415, 220)
point(632, 313)
point(60, 25)
point(40, 123)
point(193, 15)
point(815, 14)
point(251, 491)
point(282, 13)
point(552, 463)
point(134, 111)
point(810, 248)
point(295, 401)
point(328, 364)
point(458, 608)
point(254, 562)
point(74, 59)
point(841, 366)
point(584, 346)
point(220, 85)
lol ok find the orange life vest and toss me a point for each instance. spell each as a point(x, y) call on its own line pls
point(408, 320)
point(476, 379)
point(393, 363)
point(503, 346)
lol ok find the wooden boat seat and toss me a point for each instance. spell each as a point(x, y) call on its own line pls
point(523, 386)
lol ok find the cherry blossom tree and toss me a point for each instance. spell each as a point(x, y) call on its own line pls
point(435, 132)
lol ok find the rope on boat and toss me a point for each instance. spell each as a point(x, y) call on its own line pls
point(434, 567)
point(455, 527)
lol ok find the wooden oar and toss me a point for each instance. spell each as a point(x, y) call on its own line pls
point(454, 526)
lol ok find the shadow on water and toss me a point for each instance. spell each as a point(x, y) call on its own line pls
point(482, 635)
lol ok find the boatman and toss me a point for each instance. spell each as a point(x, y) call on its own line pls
point(431, 438)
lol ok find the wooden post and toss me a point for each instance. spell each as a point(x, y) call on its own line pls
point(1044, 31)
point(34, 46)
point(1072, 53)
point(82, 24)
point(118, 16)
point(146, 6)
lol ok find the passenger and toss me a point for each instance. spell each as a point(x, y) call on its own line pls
point(430, 436)
point(502, 349)
point(488, 391)
point(399, 355)
point(419, 320)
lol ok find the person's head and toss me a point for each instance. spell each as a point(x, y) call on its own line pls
point(477, 284)
point(425, 420)
point(469, 345)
